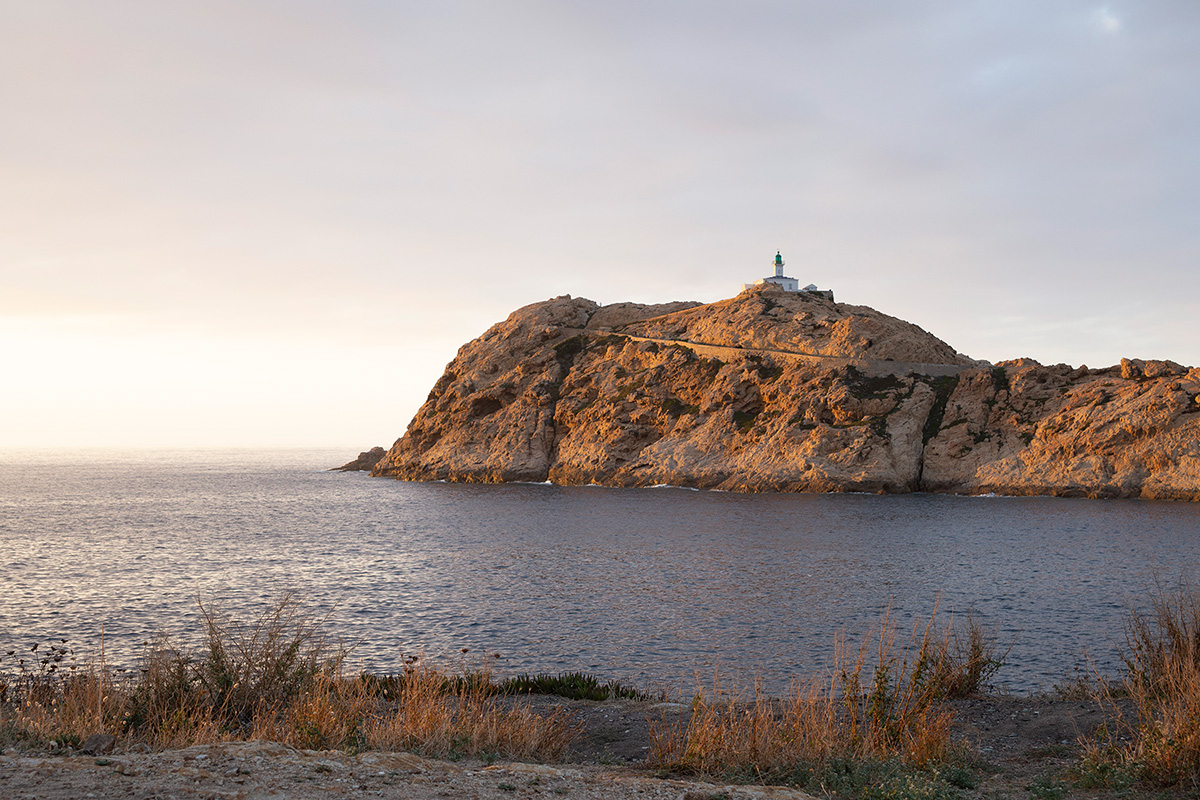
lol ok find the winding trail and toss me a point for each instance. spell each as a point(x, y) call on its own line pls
point(867, 366)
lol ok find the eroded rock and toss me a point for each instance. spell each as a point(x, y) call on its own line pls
point(365, 462)
point(780, 391)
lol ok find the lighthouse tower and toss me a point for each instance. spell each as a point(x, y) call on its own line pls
point(779, 279)
point(789, 284)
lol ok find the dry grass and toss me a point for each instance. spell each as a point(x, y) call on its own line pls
point(274, 678)
point(880, 701)
point(1155, 708)
point(280, 656)
point(470, 719)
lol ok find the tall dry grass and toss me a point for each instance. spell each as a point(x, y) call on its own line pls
point(879, 701)
point(277, 657)
point(1154, 709)
point(443, 718)
point(276, 677)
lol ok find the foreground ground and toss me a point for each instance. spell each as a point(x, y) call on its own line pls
point(1025, 748)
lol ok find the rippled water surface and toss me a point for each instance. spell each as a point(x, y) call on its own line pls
point(650, 586)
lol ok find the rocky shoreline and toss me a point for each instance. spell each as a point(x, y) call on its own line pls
point(791, 392)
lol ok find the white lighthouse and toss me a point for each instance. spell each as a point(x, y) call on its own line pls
point(779, 279)
point(787, 283)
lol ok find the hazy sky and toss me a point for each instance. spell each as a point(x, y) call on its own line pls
point(273, 223)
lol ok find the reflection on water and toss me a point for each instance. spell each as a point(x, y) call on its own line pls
point(650, 585)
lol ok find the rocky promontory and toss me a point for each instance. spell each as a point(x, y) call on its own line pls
point(789, 391)
point(365, 462)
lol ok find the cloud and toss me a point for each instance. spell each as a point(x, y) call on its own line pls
point(1106, 21)
point(411, 172)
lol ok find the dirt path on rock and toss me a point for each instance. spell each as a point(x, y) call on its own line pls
point(867, 366)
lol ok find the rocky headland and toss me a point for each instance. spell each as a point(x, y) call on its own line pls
point(785, 391)
point(365, 462)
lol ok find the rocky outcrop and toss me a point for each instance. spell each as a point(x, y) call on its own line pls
point(364, 463)
point(799, 322)
point(1024, 428)
point(780, 391)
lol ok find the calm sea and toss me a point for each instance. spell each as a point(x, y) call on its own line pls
point(651, 586)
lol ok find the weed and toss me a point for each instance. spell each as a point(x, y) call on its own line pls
point(1097, 774)
point(1048, 786)
point(911, 785)
point(769, 372)
point(265, 662)
point(879, 425)
point(745, 419)
point(445, 718)
point(942, 388)
point(1050, 751)
point(567, 349)
point(274, 678)
point(1077, 685)
point(1159, 739)
point(959, 777)
point(572, 685)
point(1000, 379)
point(879, 703)
point(677, 408)
point(872, 388)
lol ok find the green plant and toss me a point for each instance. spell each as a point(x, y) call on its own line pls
point(567, 349)
point(247, 666)
point(873, 388)
point(677, 408)
point(942, 388)
point(1047, 786)
point(745, 419)
point(1000, 379)
point(958, 776)
point(957, 662)
point(572, 685)
point(1101, 774)
point(1078, 684)
point(911, 785)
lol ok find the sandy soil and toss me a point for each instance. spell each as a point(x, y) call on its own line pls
point(1018, 741)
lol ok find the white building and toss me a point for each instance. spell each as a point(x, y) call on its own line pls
point(788, 284)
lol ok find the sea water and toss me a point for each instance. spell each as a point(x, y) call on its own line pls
point(657, 587)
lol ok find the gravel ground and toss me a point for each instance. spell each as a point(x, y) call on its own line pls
point(247, 770)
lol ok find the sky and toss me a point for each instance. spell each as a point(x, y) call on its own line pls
point(266, 223)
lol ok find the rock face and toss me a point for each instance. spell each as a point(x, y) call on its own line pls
point(365, 461)
point(780, 391)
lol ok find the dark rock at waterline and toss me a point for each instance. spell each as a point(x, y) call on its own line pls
point(364, 463)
